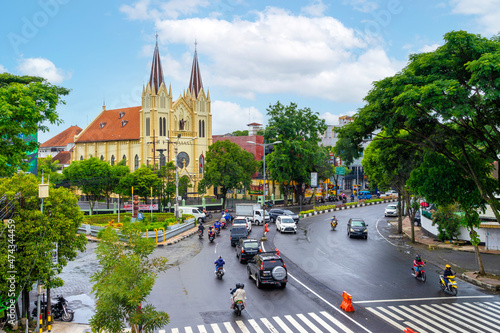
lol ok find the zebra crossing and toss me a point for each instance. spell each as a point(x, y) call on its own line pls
point(303, 323)
point(445, 317)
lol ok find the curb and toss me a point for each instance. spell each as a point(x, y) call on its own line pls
point(480, 283)
point(347, 207)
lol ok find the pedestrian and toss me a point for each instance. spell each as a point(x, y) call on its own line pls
point(266, 229)
point(139, 310)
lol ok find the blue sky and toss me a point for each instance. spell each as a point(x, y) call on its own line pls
point(319, 54)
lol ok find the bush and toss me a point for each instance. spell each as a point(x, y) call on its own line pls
point(447, 221)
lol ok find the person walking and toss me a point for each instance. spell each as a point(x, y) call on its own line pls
point(266, 229)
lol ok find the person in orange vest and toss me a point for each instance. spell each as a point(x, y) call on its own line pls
point(266, 229)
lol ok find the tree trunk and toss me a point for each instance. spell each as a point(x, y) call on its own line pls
point(400, 214)
point(26, 303)
point(49, 306)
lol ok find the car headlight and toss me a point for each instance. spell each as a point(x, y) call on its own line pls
point(351, 229)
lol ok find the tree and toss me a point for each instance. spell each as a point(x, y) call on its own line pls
point(142, 180)
point(112, 181)
point(125, 279)
point(167, 177)
point(240, 133)
point(227, 166)
point(37, 235)
point(26, 102)
point(48, 169)
point(447, 100)
point(89, 176)
point(299, 153)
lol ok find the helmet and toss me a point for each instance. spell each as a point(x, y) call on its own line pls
point(447, 266)
point(220, 257)
point(242, 286)
point(210, 227)
point(417, 257)
point(239, 285)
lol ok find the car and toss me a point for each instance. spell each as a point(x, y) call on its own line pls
point(286, 223)
point(246, 249)
point(418, 219)
point(275, 212)
point(198, 214)
point(267, 268)
point(237, 233)
point(242, 221)
point(357, 227)
point(391, 210)
point(390, 193)
point(364, 195)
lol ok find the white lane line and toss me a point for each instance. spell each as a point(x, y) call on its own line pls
point(215, 248)
point(228, 327)
point(336, 322)
point(202, 329)
point(388, 241)
point(417, 299)
point(389, 320)
point(319, 250)
point(242, 326)
point(422, 317)
point(282, 324)
point(269, 326)
point(450, 318)
point(329, 304)
point(322, 322)
point(308, 323)
point(442, 320)
point(215, 328)
point(464, 316)
point(295, 323)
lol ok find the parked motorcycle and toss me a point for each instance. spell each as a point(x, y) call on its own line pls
point(420, 275)
point(334, 223)
point(219, 273)
point(451, 288)
point(60, 310)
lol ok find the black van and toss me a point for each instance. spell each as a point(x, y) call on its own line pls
point(238, 233)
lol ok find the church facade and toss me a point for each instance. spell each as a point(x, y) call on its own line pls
point(156, 132)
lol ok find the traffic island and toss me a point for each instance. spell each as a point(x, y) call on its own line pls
point(490, 281)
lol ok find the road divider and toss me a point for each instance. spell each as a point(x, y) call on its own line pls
point(346, 304)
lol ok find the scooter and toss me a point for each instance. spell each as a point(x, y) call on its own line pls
point(223, 223)
point(60, 310)
point(217, 231)
point(211, 237)
point(219, 273)
point(200, 234)
point(334, 223)
point(451, 288)
point(420, 275)
point(238, 307)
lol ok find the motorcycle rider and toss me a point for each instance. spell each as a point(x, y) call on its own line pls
point(219, 263)
point(201, 228)
point(417, 263)
point(211, 232)
point(217, 225)
point(238, 294)
point(447, 273)
point(334, 221)
point(227, 216)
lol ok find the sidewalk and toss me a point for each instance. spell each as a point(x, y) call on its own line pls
point(431, 243)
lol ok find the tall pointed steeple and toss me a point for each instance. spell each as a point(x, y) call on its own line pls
point(195, 83)
point(156, 78)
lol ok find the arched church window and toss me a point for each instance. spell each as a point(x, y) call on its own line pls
point(161, 127)
point(203, 128)
point(112, 159)
point(199, 129)
point(124, 158)
point(164, 126)
point(147, 126)
point(102, 158)
point(136, 162)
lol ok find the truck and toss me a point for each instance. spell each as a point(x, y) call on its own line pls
point(252, 212)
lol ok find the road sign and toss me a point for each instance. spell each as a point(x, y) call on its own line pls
point(340, 171)
point(314, 179)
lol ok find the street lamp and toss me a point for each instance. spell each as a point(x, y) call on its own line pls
point(264, 174)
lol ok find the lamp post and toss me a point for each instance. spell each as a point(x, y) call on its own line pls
point(264, 174)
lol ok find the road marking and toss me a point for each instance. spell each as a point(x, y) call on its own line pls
point(389, 320)
point(486, 316)
point(474, 306)
point(215, 328)
point(336, 322)
point(242, 326)
point(255, 326)
point(202, 329)
point(319, 250)
point(269, 326)
point(461, 321)
point(464, 317)
point(308, 323)
point(229, 328)
point(175, 330)
point(388, 241)
point(493, 305)
point(417, 299)
point(393, 315)
point(282, 324)
point(412, 315)
point(322, 322)
point(445, 321)
point(295, 323)
point(188, 329)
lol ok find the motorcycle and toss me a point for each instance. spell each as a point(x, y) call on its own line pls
point(451, 288)
point(207, 214)
point(219, 273)
point(211, 237)
point(334, 223)
point(238, 307)
point(217, 231)
point(200, 234)
point(420, 275)
point(223, 223)
point(60, 310)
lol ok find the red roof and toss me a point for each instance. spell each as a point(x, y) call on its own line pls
point(63, 138)
point(254, 124)
point(114, 125)
point(64, 157)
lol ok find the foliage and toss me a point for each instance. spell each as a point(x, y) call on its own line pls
point(112, 181)
point(167, 178)
point(299, 152)
point(142, 180)
point(37, 233)
point(126, 278)
point(49, 168)
point(240, 133)
point(227, 166)
point(447, 221)
point(184, 184)
point(26, 103)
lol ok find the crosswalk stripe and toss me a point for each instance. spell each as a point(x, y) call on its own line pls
point(389, 320)
point(295, 323)
point(215, 328)
point(478, 316)
point(188, 329)
point(202, 329)
point(283, 326)
point(464, 315)
point(269, 326)
point(412, 317)
point(456, 320)
point(255, 326)
point(228, 327)
point(242, 326)
point(414, 327)
point(308, 323)
point(322, 322)
point(175, 330)
point(445, 321)
point(336, 322)
point(488, 308)
point(392, 314)
point(484, 312)
point(493, 305)
point(427, 319)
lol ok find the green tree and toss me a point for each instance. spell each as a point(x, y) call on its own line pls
point(167, 178)
point(49, 169)
point(184, 184)
point(125, 279)
point(299, 152)
point(227, 166)
point(90, 177)
point(37, 234)
point(112, 181)
point(26, 103)
point(240, 133)
point(142, 180)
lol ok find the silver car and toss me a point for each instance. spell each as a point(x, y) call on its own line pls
point(286, 224)
point(391, 210)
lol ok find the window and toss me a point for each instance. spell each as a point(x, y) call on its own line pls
point(203, 127)
point(112, 159)
point(81, 157)
point(102, 158)
point(164, 126)
point(124, 158)
point(147, 126)
point(161, 126)
point(136, 162)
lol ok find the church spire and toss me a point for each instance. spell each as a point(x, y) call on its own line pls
point(195, 83)
point(156, 78)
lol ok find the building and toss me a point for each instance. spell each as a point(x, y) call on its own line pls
point(152, 133)
point(62, 142)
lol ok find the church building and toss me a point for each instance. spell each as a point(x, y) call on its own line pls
point(152, 133)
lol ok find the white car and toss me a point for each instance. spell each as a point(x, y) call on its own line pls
point(286, 224)
point(391, 210)
point(242, 221)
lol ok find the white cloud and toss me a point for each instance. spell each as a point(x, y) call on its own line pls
point(317, 8)
point(486, 11)
point(3, 69)
point(44, 68)
point(229, 117)
point(429, 48)
point(282, 53)
point(364, 6)
point(142, 9)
